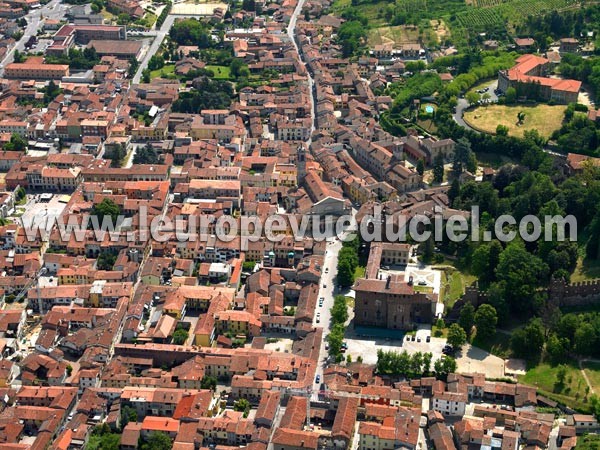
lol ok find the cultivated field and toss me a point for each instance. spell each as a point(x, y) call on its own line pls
point(543, 118)
point(398, 35)
point(197, 8)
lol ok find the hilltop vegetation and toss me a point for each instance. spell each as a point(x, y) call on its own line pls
point(468, 19)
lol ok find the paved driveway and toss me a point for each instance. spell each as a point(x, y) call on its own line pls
point(473, 359)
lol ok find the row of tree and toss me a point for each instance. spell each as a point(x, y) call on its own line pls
point(413, 366)
point(348, 262)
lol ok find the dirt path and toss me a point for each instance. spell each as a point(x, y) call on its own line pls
point(585, 377)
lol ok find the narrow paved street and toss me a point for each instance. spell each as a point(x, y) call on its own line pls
point(35, 18)
point(291, 31)
point(327, 291)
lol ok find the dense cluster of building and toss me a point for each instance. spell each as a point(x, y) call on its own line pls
point(95, 326)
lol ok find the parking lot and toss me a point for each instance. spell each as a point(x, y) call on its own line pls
point(40, 213)
point(367, 348)
point(469, 359)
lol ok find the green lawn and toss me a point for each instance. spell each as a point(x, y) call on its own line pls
point(572, 393)
point(168, 71)
point(454, 283)
point(221, 72)
point(544, 118)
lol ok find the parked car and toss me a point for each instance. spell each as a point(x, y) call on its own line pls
point(428, 338)
point(318, 317)
point(418, 339)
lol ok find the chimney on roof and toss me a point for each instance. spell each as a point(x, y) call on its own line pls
point(389, 280)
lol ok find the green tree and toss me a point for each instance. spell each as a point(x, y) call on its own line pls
point(557, 348)
point(462, 155)
point(510, 96)
point(145, 155)
point(335, 338)
point(528, 341)
point(485, 321)
point(585, 339)
point(128, 414)
point(242, 405)
point(438, 168)
point(106, 260)
point(522, 273)
point(561, 375)
point(420, 167)
point(106, 208)
point(444, 366)
point(18, 57)
point(180, 336)
point(208, 382)
point(472, 97)
point(502, 130)
point(454, 190)
point(157, 441)
point(17, 143)
point(427, 248)
point(467, 318)
point(339, 311)
point(456, 335)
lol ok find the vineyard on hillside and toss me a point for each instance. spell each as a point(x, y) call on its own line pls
point(493, 12)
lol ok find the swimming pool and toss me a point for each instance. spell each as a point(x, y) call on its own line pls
point(429, 109)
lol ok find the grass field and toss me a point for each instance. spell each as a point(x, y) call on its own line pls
point(592, 370)
point(571, 393)
point(165, 72)
point(454, 284)
point(586, 270)
point(543, 118)
point(400, 34)
point(221, 72)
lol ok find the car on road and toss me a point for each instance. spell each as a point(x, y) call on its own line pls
point(422, 283)
point(324, 286)
point(385, 267)
point(448, 350)
point(326, 269)
point(318, 379)
point(321, 300)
